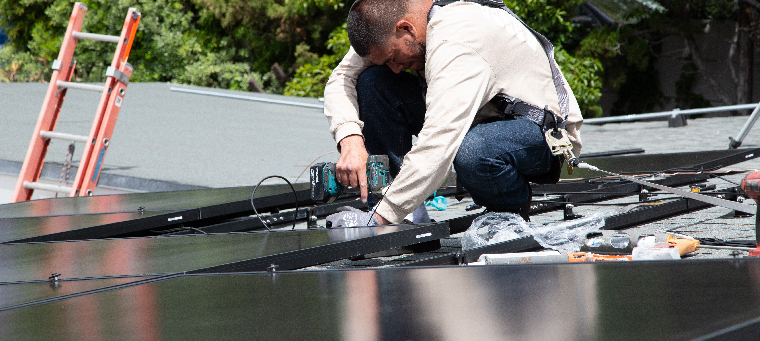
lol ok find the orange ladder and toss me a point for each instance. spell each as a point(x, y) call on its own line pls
point(112, 96)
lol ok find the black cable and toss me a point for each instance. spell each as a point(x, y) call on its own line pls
point(374, 209)
point(295, 216)
point(726, 180)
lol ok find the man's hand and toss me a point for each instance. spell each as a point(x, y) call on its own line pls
point(352, 164)
point(381, 220)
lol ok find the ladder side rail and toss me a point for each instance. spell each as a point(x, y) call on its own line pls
point(51, 106)
point(116, 82)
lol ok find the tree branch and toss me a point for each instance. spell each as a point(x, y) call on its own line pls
point(732, 53)
point(696, 57)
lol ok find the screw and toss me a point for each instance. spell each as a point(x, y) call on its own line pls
point(735, 253)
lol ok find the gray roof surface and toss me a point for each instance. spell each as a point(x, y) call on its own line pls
point(178, 137)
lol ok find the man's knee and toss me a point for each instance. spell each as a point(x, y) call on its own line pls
point(373, 79)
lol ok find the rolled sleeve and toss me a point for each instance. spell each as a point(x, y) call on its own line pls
point(341, 106)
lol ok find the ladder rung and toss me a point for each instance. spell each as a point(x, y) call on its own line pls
point(95, 36)
point(46, 187)
point(63, 136)
point(80, 86)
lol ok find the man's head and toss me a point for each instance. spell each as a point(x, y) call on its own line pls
point(390, 32)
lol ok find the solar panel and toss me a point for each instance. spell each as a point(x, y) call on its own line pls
point(604, 301)
point(161, 255)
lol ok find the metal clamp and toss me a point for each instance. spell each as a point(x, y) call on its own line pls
point(116, 73)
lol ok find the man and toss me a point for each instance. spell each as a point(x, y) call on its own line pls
point(469, 53)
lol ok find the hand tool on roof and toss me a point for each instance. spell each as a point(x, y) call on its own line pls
point(545, 257)
point(325, 187)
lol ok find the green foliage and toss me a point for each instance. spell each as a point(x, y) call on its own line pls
point(584, 76)
point(220, 43)
point(271, 29)
point(311, 78)
point(21, 67)
point(552, 18)
point(215, 70)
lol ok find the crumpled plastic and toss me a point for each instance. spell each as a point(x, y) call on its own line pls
point(496, 227)
point(352, 217)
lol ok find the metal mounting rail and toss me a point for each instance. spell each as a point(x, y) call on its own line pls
point(96, 37)
point(247, 98)
point(638, 117)
point(405, 235)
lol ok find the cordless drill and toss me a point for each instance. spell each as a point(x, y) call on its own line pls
point(325, 187)
point(751, 187)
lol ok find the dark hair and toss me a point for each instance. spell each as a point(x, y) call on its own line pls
point(370, 22)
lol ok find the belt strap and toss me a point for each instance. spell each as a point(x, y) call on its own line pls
point(545, 118)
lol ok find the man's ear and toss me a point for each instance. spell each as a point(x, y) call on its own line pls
point(404, 27)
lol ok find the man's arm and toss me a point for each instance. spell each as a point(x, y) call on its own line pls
point(342, 111)
point(460, 82)
point(341, 106)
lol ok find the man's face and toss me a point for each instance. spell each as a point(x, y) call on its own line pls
point(400, 54)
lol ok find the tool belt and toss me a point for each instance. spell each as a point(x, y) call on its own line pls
point(552, 126)
point(514, 107)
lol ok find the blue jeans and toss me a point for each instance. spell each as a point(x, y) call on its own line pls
point(492, 161)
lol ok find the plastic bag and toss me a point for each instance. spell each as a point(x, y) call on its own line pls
point(492, 228)
point(568, 235)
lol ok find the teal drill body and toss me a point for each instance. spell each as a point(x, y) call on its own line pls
point(325, 187)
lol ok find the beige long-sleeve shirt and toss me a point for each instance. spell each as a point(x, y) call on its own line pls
point(472, 54)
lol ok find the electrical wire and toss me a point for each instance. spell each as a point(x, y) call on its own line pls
point(374, 209)
point(295, 216)
point(194, 229)
point(653, 202)
point(312, 162)
point(667, 172)
point(726, 180)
